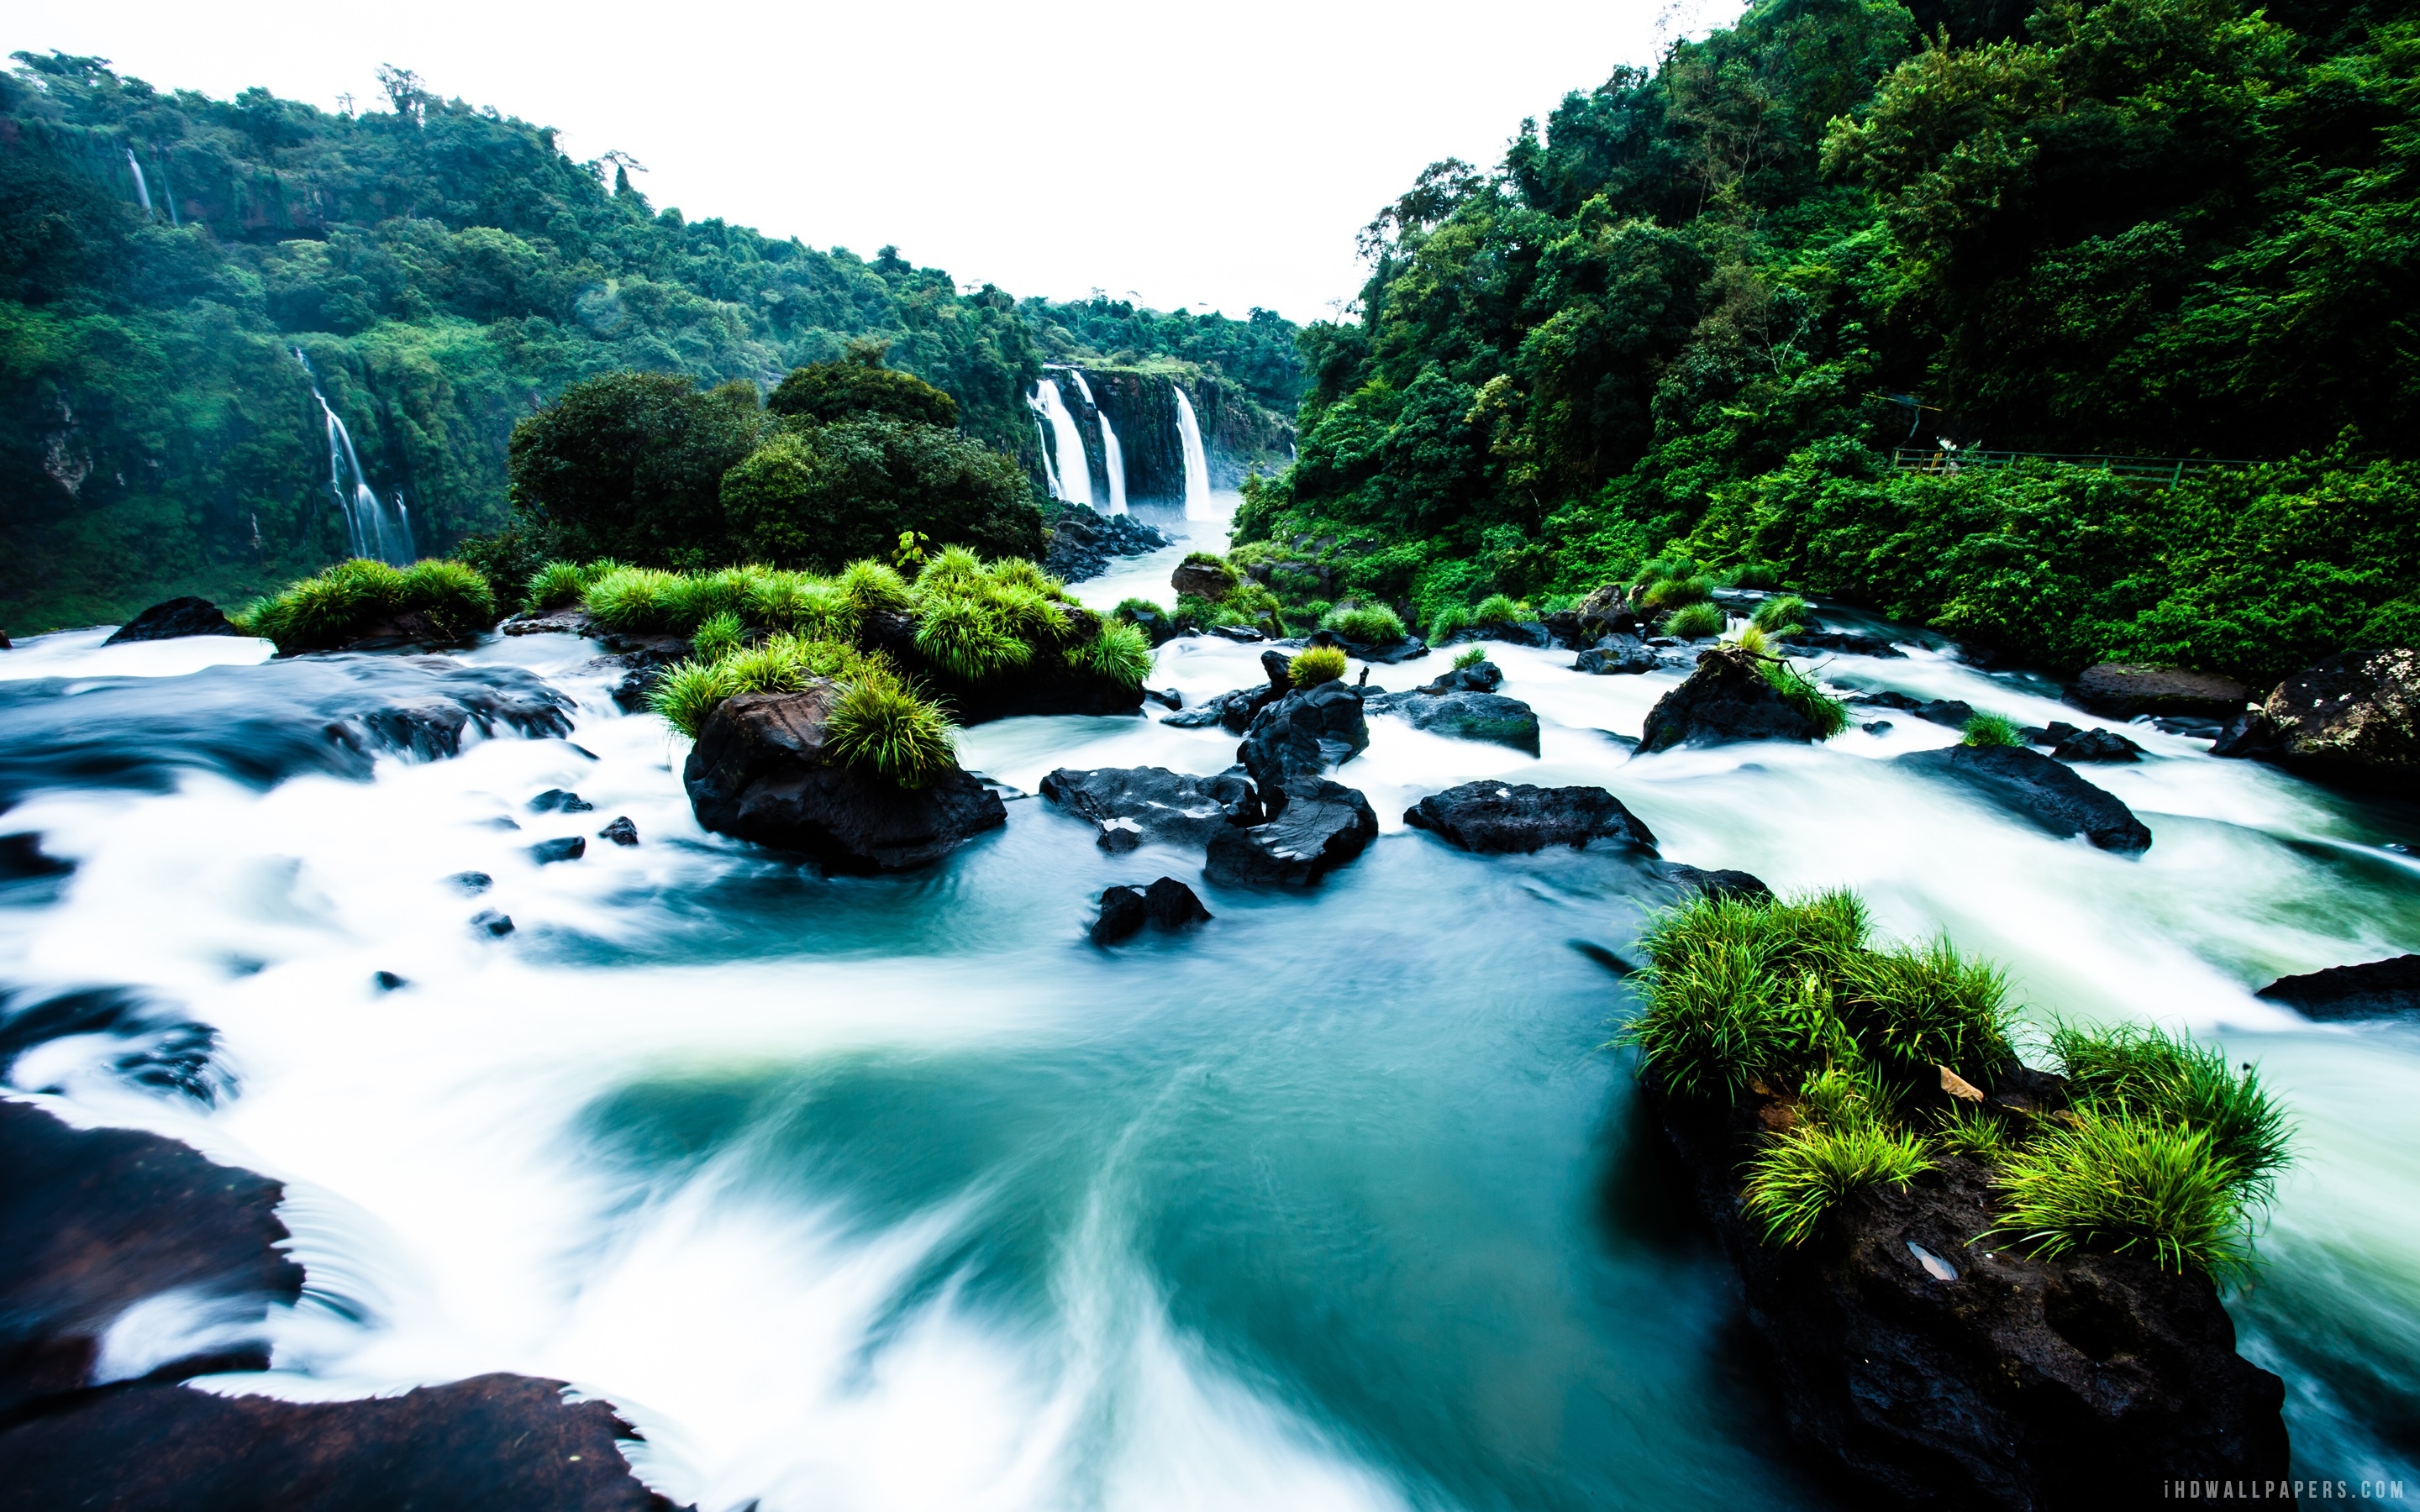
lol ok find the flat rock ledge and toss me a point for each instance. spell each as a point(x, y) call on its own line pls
point(1925, 1371)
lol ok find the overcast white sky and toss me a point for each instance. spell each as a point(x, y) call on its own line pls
point(1212, 156)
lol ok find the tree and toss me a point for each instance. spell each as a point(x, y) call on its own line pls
point(820, 495)
point(631, 465)
point(859, 384)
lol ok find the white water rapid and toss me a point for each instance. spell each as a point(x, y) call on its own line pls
point(371, 528)
point(1197, 462)
point(870, 1194)
point(1072, 480)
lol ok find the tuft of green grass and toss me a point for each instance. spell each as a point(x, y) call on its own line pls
point(1444, 623)
point(1694, 622)
point(326, 609)
point(871, 586)
point(558, 583)
point(1026, 612)
point(1470, 657)
point(802, 602)
point(963, 636)
point(1800, 1176)
point(1498, 609)
point(720, 635)
point(1719, 1020)
point(1120, 651)
point(887, 727)
point(1017, 572)
point(1755, 575)
point(1129, 608)
point(1926, 1005)
point(689, 693)
point(632, 598)
point(2110, 1177)
point(1992, 730)
point(1676, 592)
point(1969, 1131)
point(2146, 1071)
point(1368, 624)
point(1828, 715)
point(1780, 616)
point(952, 569)
point(1313, 665)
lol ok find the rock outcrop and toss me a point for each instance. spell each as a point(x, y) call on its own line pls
point(2121, 690)
point(1495, 818)
point(2029, 784)
point(1083, 540)
point(760, 772)
point(1314, 826)
point(173, 621)
point(1303, 734)
point(1489, 717)
point(2353, 719)
point(2374, 989)
point(1153, 803)
point(2069, 744)
point(1616, 655)
point(1724, 698)
point(1168, 904)
point(1933, 1372)
point(1845, 642)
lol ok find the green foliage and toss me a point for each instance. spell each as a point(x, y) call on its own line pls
point(1496, 609)
point(1120, 651)
point(1926, 1005)
point(817, 494)
point(1129, 608)
point(2168, 1077)
point(965, 637)
point(353, 597)
point(873, 587)
point(1738, 990)
point(688, 694)
point(2117, 1180)
point(1799, 1177)
point(689, 691)
point(631, 464)
point(1313, 665)
point(1992, 730)
point(1694, 622)
point(560, 583)
point(1968, 1131)
point(1782, 615)
point(859, 386)
point(885, 726)
point(720, 635)
point(1365, 623)
point(1470, 657)
point(1675, 592)
point(1828, 715)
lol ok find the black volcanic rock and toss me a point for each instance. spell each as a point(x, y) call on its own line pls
point(1321, 825)
point(1616, 655)
point(2121, 691)
point(1168, 902)
point(1083, 541)
point(1488, 717)
point(2374, 989)
point(1495, 818)
point(173, 621)
point(1303, 734)
point(1154, 802)
point(1726, 698)
point(2029, 784)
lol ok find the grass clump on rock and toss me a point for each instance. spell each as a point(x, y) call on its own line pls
point(1781, 616)
point(1370, 625)
point(885, 726)
point(1469, 657)
point(1992, 730)
point(1120, 651)
point(325, 610)
point(1867, 1059)
point(559, 583)
point(1828, 715)
point(1694, 622)
point(1314, 665)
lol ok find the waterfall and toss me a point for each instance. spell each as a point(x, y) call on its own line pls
point(370, 531)
point(1083, 388)
point(1074, 478)
point(1117, 460)
point(170, 190)
point(1197, 462)
point(1042, 439)
point(142, 189)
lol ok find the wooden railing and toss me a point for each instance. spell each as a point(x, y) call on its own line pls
point(2161, 470)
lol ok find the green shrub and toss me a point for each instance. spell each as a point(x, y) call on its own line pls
point(1469, 657)
point(2114, 1179)
point(1019, 572)
point(1449, 621)
point(1780, 616)
point(1372, 624)
point(1926, 1005)
point(1120, 650)
point(1992, 730)
point(873, 587)
point(689, 691)
point(1129, 609)
point(1676, 592)
point(952, 569)
point(325, 610)
point(964, 637)
point(1027, 614)
point(558, 583)
point(1694, 621)
point(1719, 1020)
point(1828, 715)
point(1313, 665)
point(1968, 1131)
point(1755, 575)
point(1498, 609)
point(2138, 1068)
point(720, 635)
point(883, 725)
point(802, 602)
point(632, 598)
point(1798, 1176)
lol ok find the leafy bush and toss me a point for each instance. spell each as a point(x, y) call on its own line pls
point(859, 385)
point(1780, 616)
point(1372, 624)
point(819, 495)
point(323, 612)
point(883, 725)
point(2119, 1180)
point(965, 638)
point(1694, 621)
point(1469, 657)
point(1828, 715)
point(720, 635)
point(1798, 1176)
point(1313, 665)
point(1992, 730)
point(1120, 651)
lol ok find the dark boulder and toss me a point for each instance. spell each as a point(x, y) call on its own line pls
point(1511, 632)
point(621, 831)
point(2248, 736)
point(1321, 825)
point(1931, 1371)
point(1479, 677)
point(492, 922)
point(2121, 690)
point(472, 882)
point(1083, 540)
point(1212, 581)
point(1231, 711)
point(1303, 734)
point(1616, 655)
point(1242, 634)
point(557, 800)
point(1493, 818)
point(1154, 803)
point(2374, 989)
point(1846, 643)
point(2028, 783)
point(1490, 717)
point(568, 848)
point(2353, 718)
point(1168, 902)
point(1721, 883)
point(1952, 713)
point(759, 773)
point(1726, 698)
point(1410, 648)
point(173, 621)
point(2072, 745)
point(1604, 612)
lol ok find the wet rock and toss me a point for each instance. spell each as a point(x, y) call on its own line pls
point(1495, 818)
point(759, 773)
point(1154, 803)
point(1876, 726)
point(1410, 648)
point(1167, 698)
point(2249, 736)
point(1321, 825)
point(22, 859)
point(472, 882)
point(1510, 632)
point(568, 848)
point(2028, 783)
point(621, 831)
point(1721, 883)
point(1202, 579)
point(1046, 684)
point(173, 621)
point(568, 620)
point(2121, 690)
point(1168, 904)
point(2353, 718)
point(2093, 746)
point(1950, 713)
point(1303, 734)
point(102, 1220)
point(1845, 642)
point(1244, 633)
point(1083, 541)
point(2374, 989)
point(388, 981)
point(1480, 677)
point(556, 800)
point(1616, 655)
point(491, 921)
point(1724, 699)
point(1605, 612)
point(1489, 717)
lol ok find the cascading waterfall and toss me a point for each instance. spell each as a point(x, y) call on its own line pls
point(371, 529)
point(1049, 472)
point(1197, 462)
point(170, 191)
point(1117, 461)
point(1072, 479)
point(142, 189)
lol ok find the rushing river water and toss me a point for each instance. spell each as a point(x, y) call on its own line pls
point(896, 1193)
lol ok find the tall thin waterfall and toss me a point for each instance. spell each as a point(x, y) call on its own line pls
point(1117, 460)
point(170, 190)
point(1042, 439)
point(370, 529)
point(1083, 388)
point(142, 189)
point(1073, 482)
point(1197, 462)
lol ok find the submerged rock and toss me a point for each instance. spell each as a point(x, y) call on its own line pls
point(492, 922)
point(2374, 989)
point(1724, 698)
point(1719, 882)
point(1480, 677)
point(1617, 656)
point(558, 800)
point(2069, 744)
point(1846, 643)
point(2121, 691)
point(1168, 902)
point(2353, 718)
point(1490, 717)
point(1494, 818)
point(621, 831)
point(567, 848)
point(759, 773)
point(1316, 826)
point(2028, 782)
point(1154, 803)
point(173, 621)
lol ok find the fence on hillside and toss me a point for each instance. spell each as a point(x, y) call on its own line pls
point(2160, 469)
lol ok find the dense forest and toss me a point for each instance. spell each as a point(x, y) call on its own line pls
point(445, 270)
point(1692, 316)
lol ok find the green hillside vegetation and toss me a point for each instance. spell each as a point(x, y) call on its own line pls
point(1692, 314)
